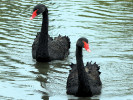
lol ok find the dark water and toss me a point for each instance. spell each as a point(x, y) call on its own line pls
point(108, 24)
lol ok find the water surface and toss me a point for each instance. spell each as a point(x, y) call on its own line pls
point(108, 24)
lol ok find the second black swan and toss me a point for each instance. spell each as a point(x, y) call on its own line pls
point(45, 48)
point(83, 81)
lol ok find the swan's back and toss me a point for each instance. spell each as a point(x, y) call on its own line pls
point(94, 78)
point(93, 73)
point(58, 48)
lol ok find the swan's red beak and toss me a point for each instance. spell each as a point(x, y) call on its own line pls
point(86, 46)
point(34, 14)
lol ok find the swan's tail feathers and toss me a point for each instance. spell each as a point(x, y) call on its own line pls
point(59, 48)
point(89, 64)
point(64, 39)
point(68, 40)
point(93, 67)
point(93, 72)
point(65, 42)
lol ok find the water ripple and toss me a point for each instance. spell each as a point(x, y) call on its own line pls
point(107, 24)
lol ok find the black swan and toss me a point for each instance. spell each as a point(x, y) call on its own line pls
point(45, 48)
point(83, 81)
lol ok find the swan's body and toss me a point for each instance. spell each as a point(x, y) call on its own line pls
point(83, 80)
point(57, 47)
point(44, 47)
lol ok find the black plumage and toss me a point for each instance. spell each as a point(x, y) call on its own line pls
point(83, 80)
point(45, 48)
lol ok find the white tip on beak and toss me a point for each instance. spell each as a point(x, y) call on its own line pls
point(31, 18)
point(88, 50)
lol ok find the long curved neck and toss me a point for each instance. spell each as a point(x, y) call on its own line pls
point(42, 51)
point(44, 28)
point(82, 75)
point(79, 58)
point(80, 65)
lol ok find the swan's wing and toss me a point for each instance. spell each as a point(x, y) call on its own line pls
point(59, 48)
point(94, 77)
point(50, 38)
point(35, 44)
point(72, 80)
point(93, 70)
point(93, 73)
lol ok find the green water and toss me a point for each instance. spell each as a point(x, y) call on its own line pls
point(108, 25)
